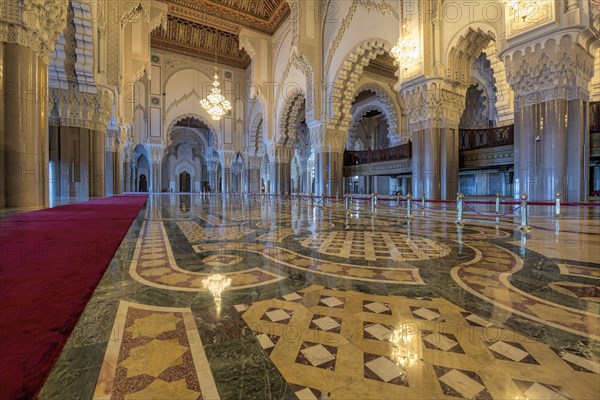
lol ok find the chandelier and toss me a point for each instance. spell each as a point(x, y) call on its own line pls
point(405, 51)
point(215, 104)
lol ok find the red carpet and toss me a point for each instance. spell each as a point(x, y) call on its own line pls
point(50, 263)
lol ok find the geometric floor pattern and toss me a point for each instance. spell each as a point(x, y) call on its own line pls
point(348, 344)
point(239, 297)
point(157, 354)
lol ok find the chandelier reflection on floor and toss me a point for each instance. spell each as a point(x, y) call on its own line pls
point(405, 349)
point(216, 284)
point(215, 104)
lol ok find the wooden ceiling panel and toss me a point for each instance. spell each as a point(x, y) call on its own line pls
point(201, 27)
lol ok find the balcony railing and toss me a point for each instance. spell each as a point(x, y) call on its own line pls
point(402, 152)
point(472, 139)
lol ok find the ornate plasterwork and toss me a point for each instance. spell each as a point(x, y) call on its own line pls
point(227, 157)
point(79, 109)
point(384, 104)
point(325, 139)
point(283, 154)
point(346, 79)
point(291, 111)
point(434, 103)
point(257, 147)
point(555, 69)
point(466, 50)
point(199, 118)
point(299, 61)
point(369, 5)
point(35, 24)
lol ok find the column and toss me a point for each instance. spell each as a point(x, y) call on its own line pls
point(328, 144)
point(281, 170)
point(97, 163)
point(435, 136)
point(551, 122)
point(28, 33)
point(25, 131)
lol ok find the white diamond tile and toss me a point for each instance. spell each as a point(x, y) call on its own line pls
point(426, 313)
point(463, 384)
point(317, 355)
point(379, 331)
point(326, 323)
point(377, 307)
point(509, 351)
point(440, 341)
point(331, 301)
point(541, 392)
point(277, 315)
point(384, 368)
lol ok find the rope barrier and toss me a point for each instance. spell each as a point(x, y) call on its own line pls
point(492, 215)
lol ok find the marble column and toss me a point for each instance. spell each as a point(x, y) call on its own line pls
point(127, 176)
point(24, 145)
point(551, 122)
point(97, 163)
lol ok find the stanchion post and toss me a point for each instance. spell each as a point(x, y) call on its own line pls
point(459, 210)
point(423, 201)
point(323, 200)
point(497, 203)
point(524, 227)
point(311, 201)
point(557, 206)
point(399, 200)
point(337, 196)
point(374, 204)
point(347, 203)
point(409, 206)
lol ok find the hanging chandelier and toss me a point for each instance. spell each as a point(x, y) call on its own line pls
point(405, 51)
point(215, 104)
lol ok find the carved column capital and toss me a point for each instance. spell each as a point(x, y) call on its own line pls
point(35, 24)
point(555, 69)
point(434, 103)
point(284, 154)
point(227, 157)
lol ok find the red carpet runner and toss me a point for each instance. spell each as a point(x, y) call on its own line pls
point(50, 263)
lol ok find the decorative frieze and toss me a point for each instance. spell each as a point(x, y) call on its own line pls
point(79, 109)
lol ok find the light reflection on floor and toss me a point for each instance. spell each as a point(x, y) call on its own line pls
point(248, 297)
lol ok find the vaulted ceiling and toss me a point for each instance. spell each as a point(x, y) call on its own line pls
point(200, 28)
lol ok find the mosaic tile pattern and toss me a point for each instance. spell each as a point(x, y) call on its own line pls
point(375, 246)
point(399, 350)
point(421, 311)
point(158, 355)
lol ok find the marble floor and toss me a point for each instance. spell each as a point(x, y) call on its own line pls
point(246, 298)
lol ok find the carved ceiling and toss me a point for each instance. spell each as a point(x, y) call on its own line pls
point(383, 65)
point(202, 27)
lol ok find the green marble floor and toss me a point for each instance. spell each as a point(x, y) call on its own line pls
point(238, 297)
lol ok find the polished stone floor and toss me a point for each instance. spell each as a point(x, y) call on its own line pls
point(247, 298)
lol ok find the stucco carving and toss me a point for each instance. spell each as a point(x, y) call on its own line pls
point(555, 69)
point(80, 109)
point(35, 24)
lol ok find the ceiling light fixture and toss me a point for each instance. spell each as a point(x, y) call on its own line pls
point(215, 104)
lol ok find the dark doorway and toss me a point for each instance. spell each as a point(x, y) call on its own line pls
point(143, 185)
point(184, 182)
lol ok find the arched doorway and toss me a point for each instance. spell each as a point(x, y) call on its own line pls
point(184, 182)
point(143, 184)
